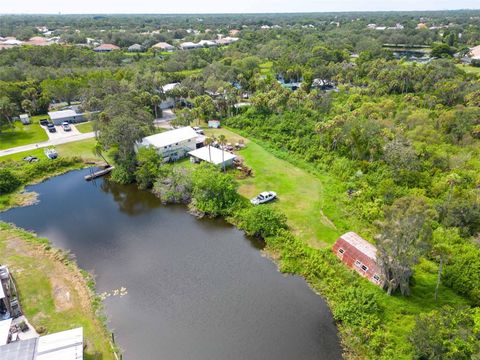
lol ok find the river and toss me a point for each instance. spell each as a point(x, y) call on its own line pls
point(195, 289)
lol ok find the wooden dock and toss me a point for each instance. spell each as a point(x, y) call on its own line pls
point(99, 173)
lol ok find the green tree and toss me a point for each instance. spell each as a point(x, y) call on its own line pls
point(148, 167)
point(213, 193)
point(261, 221)
point(404, 233)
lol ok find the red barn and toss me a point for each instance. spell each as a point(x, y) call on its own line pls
point(359, 255)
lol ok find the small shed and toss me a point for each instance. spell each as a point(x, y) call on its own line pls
point(359, 255)
point(24, 119)
point(212, 155)
point(214, 124)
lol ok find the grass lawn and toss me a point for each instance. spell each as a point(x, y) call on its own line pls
point(85, 127)
point(53, 294)
point(301, 195)
point(469, 69)
point(266, 68)
point(82, 148)
point(21, 135)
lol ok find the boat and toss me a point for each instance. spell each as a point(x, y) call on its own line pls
point(51, 153)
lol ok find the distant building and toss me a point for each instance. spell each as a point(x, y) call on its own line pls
point(106, 48)
point(214, 124)
point(163, 46)
point(227, 40)
point(135, 48)
point(70, 116)
point(169, 101)
point(172, 145)
point(474, 53)
point(189, 45)
point(359, 255)
point(234, 32)
point(212, 155)
point(207, 43)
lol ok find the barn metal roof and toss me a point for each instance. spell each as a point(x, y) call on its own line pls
point(361, 244)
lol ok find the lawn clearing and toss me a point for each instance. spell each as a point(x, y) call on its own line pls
point(21, 135)
point(85, 127)
point(300, 194)
point(81, 148)
point(469, 69)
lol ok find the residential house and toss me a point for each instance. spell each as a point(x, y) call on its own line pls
point(70, 116)
point(106, 48)
point(207, 43)
point(190, 45)
point(135, 48)
point(212, 155)
point(64, 345)
point(214, 124)
point(169, 101)
point(474, 53)
point(25, 120)
point(163, 46)
point(359, 255)
point(172, 145)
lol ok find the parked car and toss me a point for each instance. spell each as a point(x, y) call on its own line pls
point(51, 128)
point(66, 126)
point(44, 122)
point(30, 158)
point(51, 153)
point(263, 197)
point(198, 130)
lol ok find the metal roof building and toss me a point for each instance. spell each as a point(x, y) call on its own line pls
point(213, 155)
point(65, 345)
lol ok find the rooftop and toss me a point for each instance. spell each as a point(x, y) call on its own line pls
point(361, 244)
point(107, 47)
point(216, 155)
point(65, 345)
point(61, 114)
point(163, 45)
point(170, 137)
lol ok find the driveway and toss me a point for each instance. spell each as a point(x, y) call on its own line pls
point(60, 134)
point(66, 137)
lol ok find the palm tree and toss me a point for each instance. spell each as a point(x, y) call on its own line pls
point(208, 142)
point(98, 150)
point(223, 141)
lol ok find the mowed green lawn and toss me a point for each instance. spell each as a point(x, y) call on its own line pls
point(21, 135)
point(85, 127)
point(82, 148)
point(300, 193)
point(469, 69)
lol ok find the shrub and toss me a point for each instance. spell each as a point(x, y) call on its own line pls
point(213, 193)
point(8, 181)
point(261, 221)
point(148, 167)
point(174, 186)
point(121, 175)
point(446, 334)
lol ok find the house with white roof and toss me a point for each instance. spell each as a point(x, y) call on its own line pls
point(212, 155)
point(169, 101)
point(172, 145)
point(70, 116)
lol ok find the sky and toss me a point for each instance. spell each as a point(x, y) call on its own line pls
point(223, 6)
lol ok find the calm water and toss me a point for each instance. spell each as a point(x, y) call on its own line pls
point(197, 289)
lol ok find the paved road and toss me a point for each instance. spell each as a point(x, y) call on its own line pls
point(50, 142)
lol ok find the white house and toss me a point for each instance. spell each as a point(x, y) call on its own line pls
point(189, 45)
point(212, 155)
point(169, 101)
point(172, 145)
point(71, 116)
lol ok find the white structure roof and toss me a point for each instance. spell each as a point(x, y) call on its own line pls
point(61, 114)
point(4, 331)
point(475, 52)
point(12, 42)
point(216, 155)
point(170, 137)
point(207, 43)
point(23, 116)
point(65, 345)
point(2, 294)
point(169, 87)
point(361, 244)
